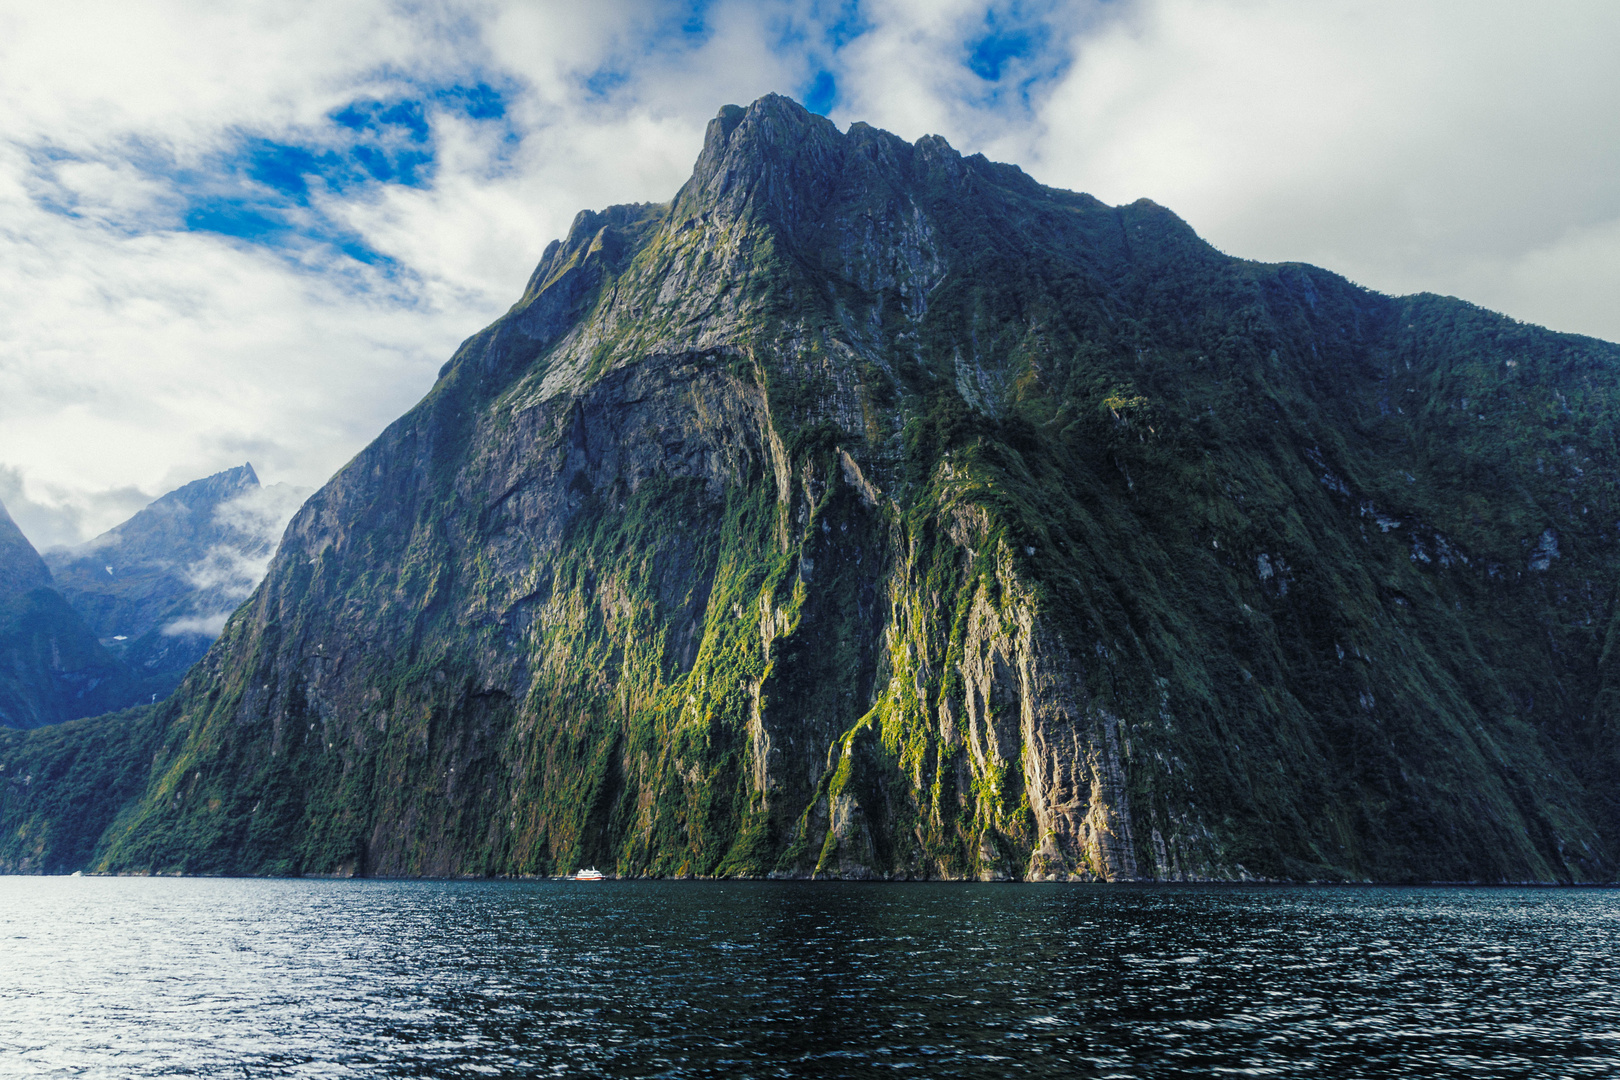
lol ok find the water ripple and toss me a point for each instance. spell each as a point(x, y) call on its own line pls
point(147, 978)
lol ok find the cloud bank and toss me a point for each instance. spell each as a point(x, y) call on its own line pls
point(254, 231)
point(229, 572)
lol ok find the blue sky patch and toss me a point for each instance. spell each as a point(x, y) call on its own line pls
point(285, 169)
point(480, 101)
point(231, 217)
point(263, 190)
point(1015, 52)
point(822, 93)
point(601, 83)
point(848, 23)
point(385, 117)
point(989, 55)
point(693, 16)
point(378, 152)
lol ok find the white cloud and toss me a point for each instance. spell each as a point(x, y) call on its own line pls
point(136, 354)
point(912, 72)
point(148, 360)
point(210, 626)
point(230, 571)
point(255, 521)
point(1447, 147)
point(62, 517)
point(260, 514)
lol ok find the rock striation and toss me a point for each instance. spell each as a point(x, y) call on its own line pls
point(869, 510)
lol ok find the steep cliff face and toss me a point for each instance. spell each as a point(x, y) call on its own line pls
point(872, 511)
point(51, 667)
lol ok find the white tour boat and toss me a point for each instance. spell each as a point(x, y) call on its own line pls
point(591, 874)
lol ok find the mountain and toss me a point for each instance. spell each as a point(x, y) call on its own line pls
point(869, 510)
point(51, 666)
point(158, 588)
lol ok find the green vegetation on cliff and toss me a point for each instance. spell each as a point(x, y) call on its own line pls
point(873, 511)
point(62, 785)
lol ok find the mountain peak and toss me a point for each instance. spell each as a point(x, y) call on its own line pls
point(772, 121)
point(152, 553)
point(210, 490)
point(770, 158)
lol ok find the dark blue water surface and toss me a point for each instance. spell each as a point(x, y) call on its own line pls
point(144, 977)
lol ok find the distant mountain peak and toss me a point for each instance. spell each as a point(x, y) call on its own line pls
point(207, 492)
point(160, 522)
point(152, 589)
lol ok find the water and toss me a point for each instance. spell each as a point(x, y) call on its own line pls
point(142, 977)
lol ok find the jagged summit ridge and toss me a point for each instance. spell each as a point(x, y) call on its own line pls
point(777, 193)
point(781, 162)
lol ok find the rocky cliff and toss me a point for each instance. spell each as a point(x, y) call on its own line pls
point(869, 510)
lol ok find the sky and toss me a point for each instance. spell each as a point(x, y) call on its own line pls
point(253, 232)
